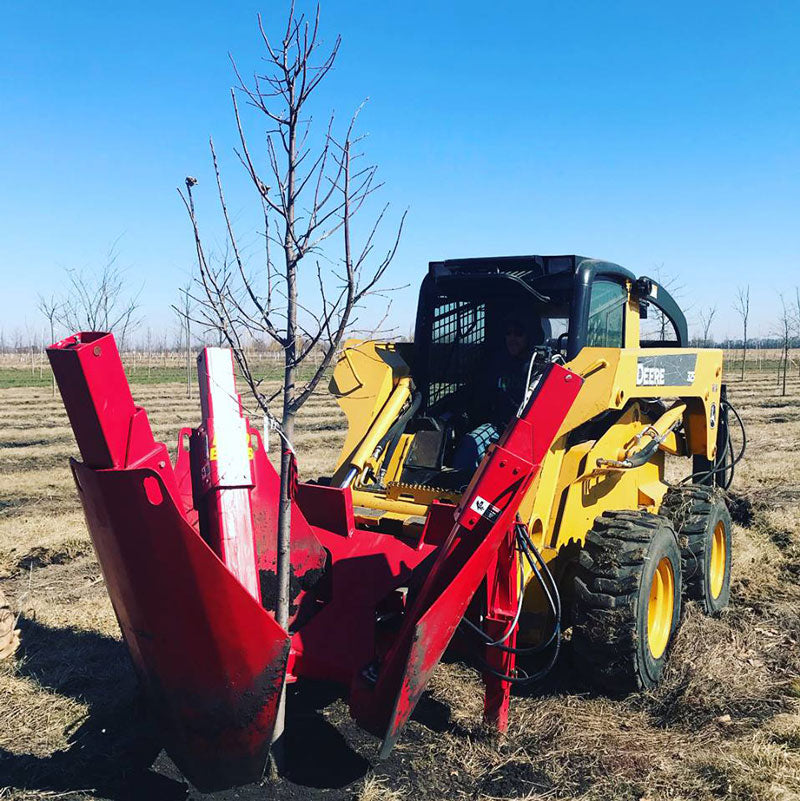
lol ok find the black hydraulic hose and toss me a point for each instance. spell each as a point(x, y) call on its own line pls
point(744, 440)
point(524, 651)
point(499, 643)
point(530, 552)
point(642, 456)
point(528, 678)
point(531, 548)
point(720, 466)
point(730, 469)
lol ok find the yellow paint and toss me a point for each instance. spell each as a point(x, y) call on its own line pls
point(365, 375)
point(371, 383)
point(612, 386)
point(719, 548)
point(364, 453)
point(379, 500)
point(420, 494)
point(660, 608)
point(395, 466)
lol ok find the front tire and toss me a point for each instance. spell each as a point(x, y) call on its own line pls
point(627, 600)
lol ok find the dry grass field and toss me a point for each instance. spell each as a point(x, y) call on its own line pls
point(724, 724)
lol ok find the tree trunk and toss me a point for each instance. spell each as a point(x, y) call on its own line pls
point(744, 350)
point(188, 356)
point(283, 565)
point(785, 366)
point(52, 341)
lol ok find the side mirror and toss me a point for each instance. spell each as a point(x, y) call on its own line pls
point(642, 287)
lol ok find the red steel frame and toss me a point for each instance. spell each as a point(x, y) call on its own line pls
point(209, 655)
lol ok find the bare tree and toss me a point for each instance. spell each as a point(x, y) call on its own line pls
point(100, 301)
point(785, 325)
point(656, 325)
point(797, 312)
point(149, 344)
point(675, 288)
point(742, 306)
point(314, 186)
point(706, 319)
point(185, 310)
point(50, 307)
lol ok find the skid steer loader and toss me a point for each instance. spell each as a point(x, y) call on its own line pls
point(502, 482)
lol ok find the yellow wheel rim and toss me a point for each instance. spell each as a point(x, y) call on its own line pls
point(660, 608)
point(719, 552)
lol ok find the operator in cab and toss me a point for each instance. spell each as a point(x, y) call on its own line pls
point(500, 393)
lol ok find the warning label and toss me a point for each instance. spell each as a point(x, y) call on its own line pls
point(484, 508)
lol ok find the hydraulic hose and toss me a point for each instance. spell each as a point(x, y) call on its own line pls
point(720, 466)
point(527, 548)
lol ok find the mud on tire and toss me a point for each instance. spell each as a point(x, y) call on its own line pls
point(626, 557)
point(703, 522)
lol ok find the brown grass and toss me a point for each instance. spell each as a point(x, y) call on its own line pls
point(724, 723)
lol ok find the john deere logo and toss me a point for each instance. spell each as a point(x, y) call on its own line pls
point(650, 376)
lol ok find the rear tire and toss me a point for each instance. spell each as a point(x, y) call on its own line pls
point(703, 523)
point(627, 600)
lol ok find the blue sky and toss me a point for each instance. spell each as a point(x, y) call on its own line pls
point(641, 133)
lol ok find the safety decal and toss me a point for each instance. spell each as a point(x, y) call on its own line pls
point(213, 450)
point(484, 508)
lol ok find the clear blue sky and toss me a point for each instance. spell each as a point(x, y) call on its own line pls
point(643, 133)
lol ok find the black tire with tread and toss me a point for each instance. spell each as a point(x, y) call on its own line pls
point(694, 511)
point(612, 590)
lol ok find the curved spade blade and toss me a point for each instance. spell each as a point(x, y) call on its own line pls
point(212, 661)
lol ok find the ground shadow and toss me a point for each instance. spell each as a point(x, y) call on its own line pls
point(111, 751)
point(114, 752)
point(318, 753)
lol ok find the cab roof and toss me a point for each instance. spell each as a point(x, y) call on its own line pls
point(525, 267)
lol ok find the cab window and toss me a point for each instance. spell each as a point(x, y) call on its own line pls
point(656, 329)
point(606, 315)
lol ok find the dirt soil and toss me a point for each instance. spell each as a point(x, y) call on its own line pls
point(725, 723)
